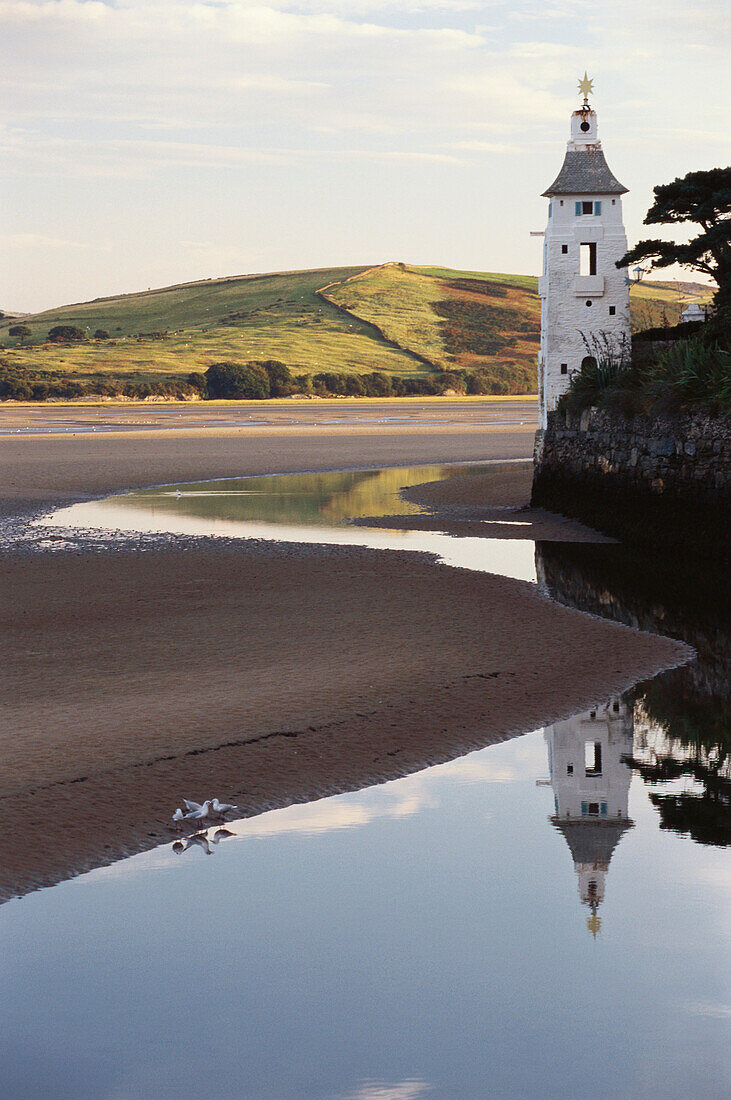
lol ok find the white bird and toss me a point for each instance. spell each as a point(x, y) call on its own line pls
point(192, 805)
point(201, 813)
point(178, 494)
point(178, 815)
point(222, 807)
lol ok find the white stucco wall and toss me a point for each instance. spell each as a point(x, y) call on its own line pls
point(568, 322)
point(613, 730)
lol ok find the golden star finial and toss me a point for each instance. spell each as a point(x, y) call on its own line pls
point(586, 86)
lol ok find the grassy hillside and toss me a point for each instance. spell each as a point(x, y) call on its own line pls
point(186, 328)
point(658, 304)
point(453, 320)
point(405, 321)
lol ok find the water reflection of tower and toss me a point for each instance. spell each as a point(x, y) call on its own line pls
point(591, 792)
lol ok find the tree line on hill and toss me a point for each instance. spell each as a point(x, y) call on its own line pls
point(272, 378)
point(259, 380)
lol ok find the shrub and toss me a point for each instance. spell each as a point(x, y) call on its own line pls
point(377, 385)
point(66, 334)
point(691, 372)
point(353, 385)
point(196, 381)
point(280, 377)
point(101, 334)
point(237, 381)
point(699, 373)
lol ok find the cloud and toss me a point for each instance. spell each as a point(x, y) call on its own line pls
point(224, 97)
point(485, 146)
point(37, 240)
point(711, 1010)
point(409, 1089)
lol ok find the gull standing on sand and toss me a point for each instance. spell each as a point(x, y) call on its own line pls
point(222, 807)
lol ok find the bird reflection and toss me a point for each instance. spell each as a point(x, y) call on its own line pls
point(201, 840)
point(590, 784)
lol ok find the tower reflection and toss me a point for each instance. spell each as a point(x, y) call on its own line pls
point(591, 792)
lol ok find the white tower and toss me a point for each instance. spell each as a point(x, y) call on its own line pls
point(584, 296)
point(591, 792)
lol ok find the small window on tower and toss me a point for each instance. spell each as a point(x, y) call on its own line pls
point(564, 368)
point(550, 209)
point(612, 311)
point(587, 259)
point(564, 248)
point(587, 208)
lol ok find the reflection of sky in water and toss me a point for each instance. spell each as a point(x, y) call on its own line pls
point(424, 937)
point(505, 925)
point(304, 508)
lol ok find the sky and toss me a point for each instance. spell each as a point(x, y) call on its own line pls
point(148, 142)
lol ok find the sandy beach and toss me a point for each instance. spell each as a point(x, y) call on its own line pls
point(266, 674)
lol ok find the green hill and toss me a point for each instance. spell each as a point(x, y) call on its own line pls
point(401, 320)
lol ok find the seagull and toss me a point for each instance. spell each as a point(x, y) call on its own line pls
point(179, 815)
point(222, 807)
point(192, 805)
point(178, 494)
point(200, 813)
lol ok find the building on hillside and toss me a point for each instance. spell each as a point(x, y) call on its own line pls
point(584, 296)
point(591, 792)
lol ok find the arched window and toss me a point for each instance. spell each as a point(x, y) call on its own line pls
point(588, 363)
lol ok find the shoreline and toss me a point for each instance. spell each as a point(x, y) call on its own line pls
point(276, 673)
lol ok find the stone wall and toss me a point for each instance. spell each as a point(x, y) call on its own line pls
point(646, 480)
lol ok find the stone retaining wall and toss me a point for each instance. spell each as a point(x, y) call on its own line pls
point(642, 479)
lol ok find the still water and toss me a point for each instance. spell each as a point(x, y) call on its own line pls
point(303, 508)
point(547, 917)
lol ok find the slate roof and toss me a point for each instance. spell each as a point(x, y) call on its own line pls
point(585, 173)
point(592, 842)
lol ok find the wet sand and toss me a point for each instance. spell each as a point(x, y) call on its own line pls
point(263, 674)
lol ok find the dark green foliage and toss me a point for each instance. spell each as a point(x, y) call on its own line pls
point(377, 385)
point(20, 384)
point(21, 331)
point(671, 332)
point(281, 382)
point(237, 381)
point(690, 373)
point(66, 334)
point(196, 381)
point(703, 198)
point(24, 384)
point(101, 334)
